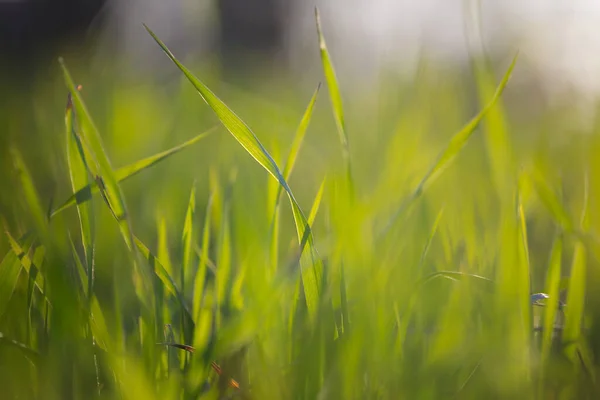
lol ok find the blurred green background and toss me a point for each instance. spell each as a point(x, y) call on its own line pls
point(430, 251)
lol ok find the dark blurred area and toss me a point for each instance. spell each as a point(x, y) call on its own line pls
point(31, 29)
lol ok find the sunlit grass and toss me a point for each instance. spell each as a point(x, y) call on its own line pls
point(184, 275)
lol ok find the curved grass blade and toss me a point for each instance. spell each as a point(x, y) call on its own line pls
point(456, 277)
point(456, 144)
point(85, 193)
point(30, 193)
point(107, 179)
point(80, 177)
point(311, 266)
point(336, 98)
point(186, 238)
point(550, 200)
point(287, 171)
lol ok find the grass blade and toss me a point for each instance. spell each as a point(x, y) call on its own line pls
point(335, 96)
point(202, 266)
point(552, 303)
point(85, 193)
point(456, 144)
point(107, 179)
point(80, 177)
point(575, 301)
point(186, 238)
point(311, 267)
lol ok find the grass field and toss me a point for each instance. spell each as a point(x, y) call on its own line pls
point(392, 245)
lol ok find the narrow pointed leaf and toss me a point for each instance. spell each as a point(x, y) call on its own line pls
point(311, 266)
point(85, 193)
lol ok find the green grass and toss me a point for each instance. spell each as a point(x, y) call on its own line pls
point(183, 275)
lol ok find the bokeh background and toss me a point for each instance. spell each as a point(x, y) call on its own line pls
point(411, 75)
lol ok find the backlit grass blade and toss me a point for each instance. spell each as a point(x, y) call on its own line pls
point(553, 291)
point(26, 262)
point(186, 273)
point(335, 96)
point(298, 139)
point(30, 193)
point(287, 171)
point(186, 239)
point(107, 178)
point(85, 193)
point(202, 266)
point(316, 203)
point(575, 301)
point(456, 144)
point(80, 177)
point(163, 253)
point(523, 274)
point(311, 267)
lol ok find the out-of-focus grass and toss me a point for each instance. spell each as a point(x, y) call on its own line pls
point(427, 301)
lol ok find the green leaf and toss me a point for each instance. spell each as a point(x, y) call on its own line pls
point(552, 303)
point(311, 265)
point(201, 272)
point(575, 300)
point(85, 193)
point(106, 177)
point(335, 96)
point(80, 177)
point(186, 239)
point(456, 144)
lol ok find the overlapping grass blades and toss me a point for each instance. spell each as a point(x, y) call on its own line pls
point(86, 192)
point(311, 265)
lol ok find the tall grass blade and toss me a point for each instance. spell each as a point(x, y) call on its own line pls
point(311, 266)
point(80, 177)
point(200, 278)
point(336, 98)
point(107, 179)
point(456, 144)
point(553, 290)
point(575, 301)
point(85, 193)
point(186, 273)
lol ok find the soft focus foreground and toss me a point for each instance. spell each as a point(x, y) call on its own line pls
point(402, 256)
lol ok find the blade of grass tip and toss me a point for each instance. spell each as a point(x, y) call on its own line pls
point(186, 238)
point(456, 144)
point(335, 97)
point(311, 266)
point(30, 193)
point(202, 265)
point(107, 179)
point(80, 177)
point(85, 193)
point(523, 273)
point(575, 300)
point(186, 272)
